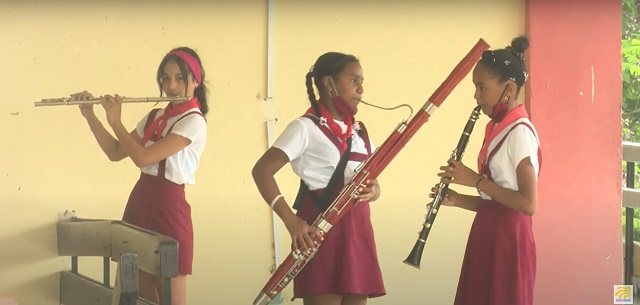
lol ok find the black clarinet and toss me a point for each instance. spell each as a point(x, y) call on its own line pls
point(432, 208)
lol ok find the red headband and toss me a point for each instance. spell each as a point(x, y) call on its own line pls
point(191, 62)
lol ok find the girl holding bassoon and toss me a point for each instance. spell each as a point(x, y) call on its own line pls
point(324, 147)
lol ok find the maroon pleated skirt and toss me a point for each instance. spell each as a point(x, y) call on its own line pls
point(499, 265)
point(159, 205)
point(347, 261)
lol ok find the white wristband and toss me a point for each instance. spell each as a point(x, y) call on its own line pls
point(273, 202)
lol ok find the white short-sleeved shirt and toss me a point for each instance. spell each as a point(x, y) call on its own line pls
point(313, 156)
point(181, 166)
point(520, 143)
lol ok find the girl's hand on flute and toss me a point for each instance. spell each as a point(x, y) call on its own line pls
point(449, 197)
point(84, 95)
point(371, 192)
point(85, 109)
point(301, 234)
point(458, 174)
point(113, 107)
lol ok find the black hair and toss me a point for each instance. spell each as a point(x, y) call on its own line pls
point(508, 63)
point(328, 64)
point(200, 91)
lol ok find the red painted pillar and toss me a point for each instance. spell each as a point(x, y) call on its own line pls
point(574, 97)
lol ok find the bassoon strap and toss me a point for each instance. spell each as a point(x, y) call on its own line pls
point(338, 175)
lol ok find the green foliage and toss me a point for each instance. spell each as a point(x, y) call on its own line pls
point(630, 47)
point(636, 225)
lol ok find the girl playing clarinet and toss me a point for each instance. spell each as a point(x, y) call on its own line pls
point(500, 260)
point(166, 145)
point(324, 147)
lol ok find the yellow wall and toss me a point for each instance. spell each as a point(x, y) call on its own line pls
point(51, 163)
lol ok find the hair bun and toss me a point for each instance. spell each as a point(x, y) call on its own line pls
point(520, 44)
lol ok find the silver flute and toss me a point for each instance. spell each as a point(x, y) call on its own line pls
point(95, 100)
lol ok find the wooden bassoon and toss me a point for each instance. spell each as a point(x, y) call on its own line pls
point(370, 169)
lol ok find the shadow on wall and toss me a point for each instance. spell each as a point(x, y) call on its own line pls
point(47, 286)
point(25, 259)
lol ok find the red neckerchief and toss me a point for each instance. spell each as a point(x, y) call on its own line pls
point(335, 128)
point(159, 124)
point(493, 129)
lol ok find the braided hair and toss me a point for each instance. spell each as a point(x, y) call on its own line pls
point(328, 64)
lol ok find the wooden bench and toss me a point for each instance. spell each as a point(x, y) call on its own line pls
point(133, 248)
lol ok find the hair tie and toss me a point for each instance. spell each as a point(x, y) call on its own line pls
point(514, 52)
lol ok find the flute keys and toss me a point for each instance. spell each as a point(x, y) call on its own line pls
point(52, 100)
